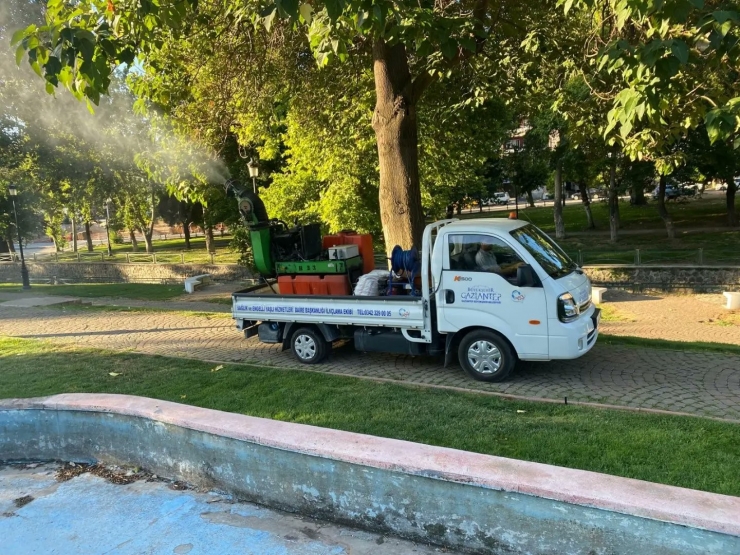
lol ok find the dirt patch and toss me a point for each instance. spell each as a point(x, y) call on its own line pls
point(113, 474)
point(23, 501)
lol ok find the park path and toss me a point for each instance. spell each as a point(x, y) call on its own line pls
point(672, 317)
point(703, 384)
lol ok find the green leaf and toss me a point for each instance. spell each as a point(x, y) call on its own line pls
point(269, 19)
point(333, 9)
point(49, 88)
point(567, 6)
point(721, 16)
point(468, 44)
point(306, 13)
point(680, 50)
point(19, 53)
point(36, 68)
point(449, 49)
point(290, 7)
point(18, 36)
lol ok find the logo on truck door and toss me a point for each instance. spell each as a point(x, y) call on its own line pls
point(481, 294)
point(462, 278)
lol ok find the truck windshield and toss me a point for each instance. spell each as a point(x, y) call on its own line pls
point(551, 257)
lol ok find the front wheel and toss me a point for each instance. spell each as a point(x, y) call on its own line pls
point(309, 346)
point(486, 356)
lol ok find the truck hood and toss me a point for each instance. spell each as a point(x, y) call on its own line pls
point(578, 285)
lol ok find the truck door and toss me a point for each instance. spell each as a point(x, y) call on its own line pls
point(478, 288)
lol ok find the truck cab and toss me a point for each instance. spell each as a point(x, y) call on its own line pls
point(503, 289)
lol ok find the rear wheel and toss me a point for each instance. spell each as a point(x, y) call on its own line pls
point(309, 346)
point(486, 356)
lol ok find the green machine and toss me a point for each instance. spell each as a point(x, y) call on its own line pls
point(279, 249)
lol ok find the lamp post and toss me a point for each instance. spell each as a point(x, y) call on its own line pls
point(254, 171)
point(107, 224)
point(13, 191)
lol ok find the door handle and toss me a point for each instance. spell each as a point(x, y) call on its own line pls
point(449, 296)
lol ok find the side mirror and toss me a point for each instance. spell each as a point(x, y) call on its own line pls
point(526, 277)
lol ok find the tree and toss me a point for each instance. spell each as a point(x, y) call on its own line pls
point(666, 68)
point(715, 161)
point(180, 212)
point(410, 44)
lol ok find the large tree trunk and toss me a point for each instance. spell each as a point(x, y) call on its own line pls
point(148, 240)
point(210, 241)
point(9, 243)
point(530, 199)
point(558, 208)
point(665, 216)
point(134, 242)
point(586, 206)
point(613, 203)
point(74, 235)
point(395, 125)
point(731, 189)
point(186, 234)
point(88, 237)
point(637, 195)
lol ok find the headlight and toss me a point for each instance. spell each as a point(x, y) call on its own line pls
point(567, 308)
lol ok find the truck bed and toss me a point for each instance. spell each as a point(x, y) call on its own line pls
point(391, 311)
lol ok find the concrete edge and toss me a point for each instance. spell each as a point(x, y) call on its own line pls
point(697, 509)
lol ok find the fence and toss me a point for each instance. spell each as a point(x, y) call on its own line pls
point(649, 257)
point(129, 258)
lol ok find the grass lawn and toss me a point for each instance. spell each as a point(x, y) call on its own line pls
point(167, 251)
point(690, 452)
point(706, 212)
point(720, 247)
point(145, 291)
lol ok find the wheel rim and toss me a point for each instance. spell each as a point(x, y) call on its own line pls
point(305, 347)
point(484, 357)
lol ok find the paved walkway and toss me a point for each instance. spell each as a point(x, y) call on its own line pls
point(697, 383)
point(672, 317)
point(88, 514)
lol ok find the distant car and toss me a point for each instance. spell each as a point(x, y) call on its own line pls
point(671, 192)
point(689, 190)
point(575, 196)
point(501, 198)
point(546, 196)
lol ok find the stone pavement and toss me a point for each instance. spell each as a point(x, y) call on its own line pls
point(673, 317)
point(90, 515)
point(704, 384)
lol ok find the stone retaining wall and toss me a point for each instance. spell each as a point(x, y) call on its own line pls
point(641, 278)
point(463, 501)
point(666, 278)
point(76, 272)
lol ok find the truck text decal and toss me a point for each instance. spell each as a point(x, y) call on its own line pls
point(481, 294)
point(297, 310)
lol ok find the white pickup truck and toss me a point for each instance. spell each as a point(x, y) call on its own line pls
point(492, 291)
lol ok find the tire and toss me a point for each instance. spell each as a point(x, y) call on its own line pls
point(309, 346)
point(486, 356)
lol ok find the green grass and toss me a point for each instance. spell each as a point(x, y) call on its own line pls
point(720, 247)
point(166, 250)
point(707, 212)
point(145, 291)
point(697, 346)
point(124, 309)
point(690, 452)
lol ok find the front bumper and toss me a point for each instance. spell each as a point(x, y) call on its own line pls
point(576, 338)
